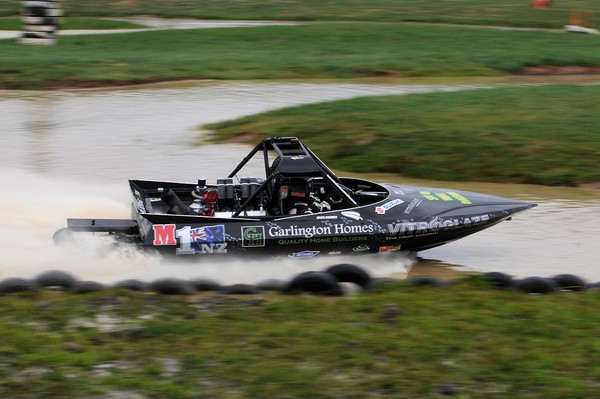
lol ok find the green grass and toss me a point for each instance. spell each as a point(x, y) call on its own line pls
point(311, 51)
point(482, 12)
point(530, 134)
point(486, 343)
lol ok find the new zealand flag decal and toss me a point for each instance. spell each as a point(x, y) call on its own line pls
point(208, 234)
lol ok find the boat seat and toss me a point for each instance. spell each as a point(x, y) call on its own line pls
point(176, 206)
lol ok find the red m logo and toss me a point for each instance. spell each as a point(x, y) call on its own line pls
point(164, 234)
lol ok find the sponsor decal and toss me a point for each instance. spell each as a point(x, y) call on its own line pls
point(202, 240)
point(361, 248)
point(164, 234)
point(304, 254)
point(389, 248)
point(320, 240)
point(459, 198)
point(198, 240)
point(435, 225)
point(324, 217)
point(387, 206)
point(349, 239)
point(334, 253)
point(414, 203)
point(253, 236)
point(138, 199)
point(297, 157)
point(352, 215)
point(448, 196)
point(315, 231)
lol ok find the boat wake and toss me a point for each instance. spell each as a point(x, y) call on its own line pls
point(33, 207)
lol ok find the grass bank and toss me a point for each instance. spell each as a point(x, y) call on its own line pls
point(483, 12)
point(287, 52)
point(401, 341)
point(531, 134)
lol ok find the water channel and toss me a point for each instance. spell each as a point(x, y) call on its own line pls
point(70, 153)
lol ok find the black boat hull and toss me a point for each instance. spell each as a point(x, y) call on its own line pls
point(299, 209)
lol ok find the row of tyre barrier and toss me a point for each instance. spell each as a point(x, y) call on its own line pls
point(528, 285)
point(334, 281)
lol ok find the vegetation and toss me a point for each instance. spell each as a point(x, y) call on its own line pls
point(286, 52)
point(482, 12)
point(400, 341)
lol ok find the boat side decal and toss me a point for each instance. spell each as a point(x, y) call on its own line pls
point(138, 200)
point(361, 248)
point(447, 196)
point(324, 217)
point(304, 254)
point(164, 234)
point(197, 240)
point(435, 225)
point(320, 240)
point(293, 231)
point(413, 204)
point(253, 236)
point(202, 240)
point(381, 209)
point(389, 248)
point(352, 215)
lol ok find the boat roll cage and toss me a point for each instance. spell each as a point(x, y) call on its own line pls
point(294, 159)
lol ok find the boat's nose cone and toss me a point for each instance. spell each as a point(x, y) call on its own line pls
point(488, 204)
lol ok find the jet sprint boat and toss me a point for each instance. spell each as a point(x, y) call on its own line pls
point(298, 208)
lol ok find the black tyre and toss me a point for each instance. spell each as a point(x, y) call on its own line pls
point(83, 287)
point(536, 285)
point(173, 286)
point(16, 284)
point(570, 282)
point(594, 286)
point(55, 278)
point(205, 284)
point(498, 280)
point(132, 284)
point(313, 283)
point(382, 282)
point(240, 289)
point(347, 273)
point(270, 285)
point(426, 281)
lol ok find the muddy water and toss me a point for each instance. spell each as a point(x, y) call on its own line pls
point(111, 135)
point(69, 154)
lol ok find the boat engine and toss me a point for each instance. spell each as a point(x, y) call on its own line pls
point(226, 198)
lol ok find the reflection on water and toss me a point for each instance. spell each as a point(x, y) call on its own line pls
point(70, 154)
point(146, 132)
